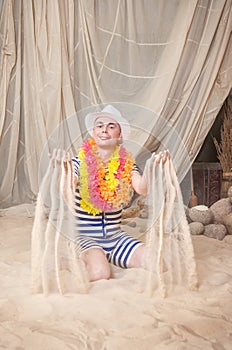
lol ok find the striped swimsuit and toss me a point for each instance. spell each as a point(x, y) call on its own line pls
point(103, 231)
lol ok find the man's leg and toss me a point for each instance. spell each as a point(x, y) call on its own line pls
point(137, 258)
point(97, 264)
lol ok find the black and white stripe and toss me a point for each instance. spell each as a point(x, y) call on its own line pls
point(103, 230)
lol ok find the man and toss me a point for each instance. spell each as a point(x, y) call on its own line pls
point(104, 175)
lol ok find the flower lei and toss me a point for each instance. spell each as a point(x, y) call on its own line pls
point(103, 188)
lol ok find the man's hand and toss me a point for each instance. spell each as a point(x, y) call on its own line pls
point(60, 155)
point(139, 182)
point(64, 160)
point(160, 157)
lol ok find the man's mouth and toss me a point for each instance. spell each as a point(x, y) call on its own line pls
point(103, 138)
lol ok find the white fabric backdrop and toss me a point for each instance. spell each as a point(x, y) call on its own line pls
point(165, 64)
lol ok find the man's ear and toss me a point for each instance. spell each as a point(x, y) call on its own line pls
point(120, 140)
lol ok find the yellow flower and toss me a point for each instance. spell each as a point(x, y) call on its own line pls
point(81, 154)
point(108, 188)
point(89, 208)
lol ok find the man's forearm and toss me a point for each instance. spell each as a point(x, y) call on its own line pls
point(139, 183)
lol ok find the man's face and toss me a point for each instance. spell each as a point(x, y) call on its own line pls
point(106, 132)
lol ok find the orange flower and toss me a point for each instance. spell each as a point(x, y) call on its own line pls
point(104, 188)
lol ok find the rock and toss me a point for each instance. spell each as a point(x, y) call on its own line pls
point(217, 231)
point(230, 194)
point(228, 223)
point(124, 222)
point(220, 209)
point(201, 213)
point(196, 228)
point(128, 223)
point(132, 224)
point(187, 215)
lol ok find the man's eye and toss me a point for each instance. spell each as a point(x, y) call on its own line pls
point(112, 126)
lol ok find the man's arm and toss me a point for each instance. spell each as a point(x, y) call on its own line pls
point(139, 182)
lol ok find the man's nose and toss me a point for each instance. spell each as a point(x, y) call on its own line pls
point(105, 128)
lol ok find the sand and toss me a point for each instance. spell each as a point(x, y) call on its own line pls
point(115, 314)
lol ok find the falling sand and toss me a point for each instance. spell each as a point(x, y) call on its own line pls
point(47, 302)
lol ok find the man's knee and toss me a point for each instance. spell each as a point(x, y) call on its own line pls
point(99, 272)
point(97, 265)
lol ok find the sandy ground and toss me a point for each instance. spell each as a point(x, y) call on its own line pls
point(114, 314)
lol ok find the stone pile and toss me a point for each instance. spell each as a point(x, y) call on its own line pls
point(214, 221)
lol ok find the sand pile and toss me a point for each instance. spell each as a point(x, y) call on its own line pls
point(115, 314)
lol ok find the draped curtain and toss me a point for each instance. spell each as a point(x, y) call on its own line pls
point(165, 64)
